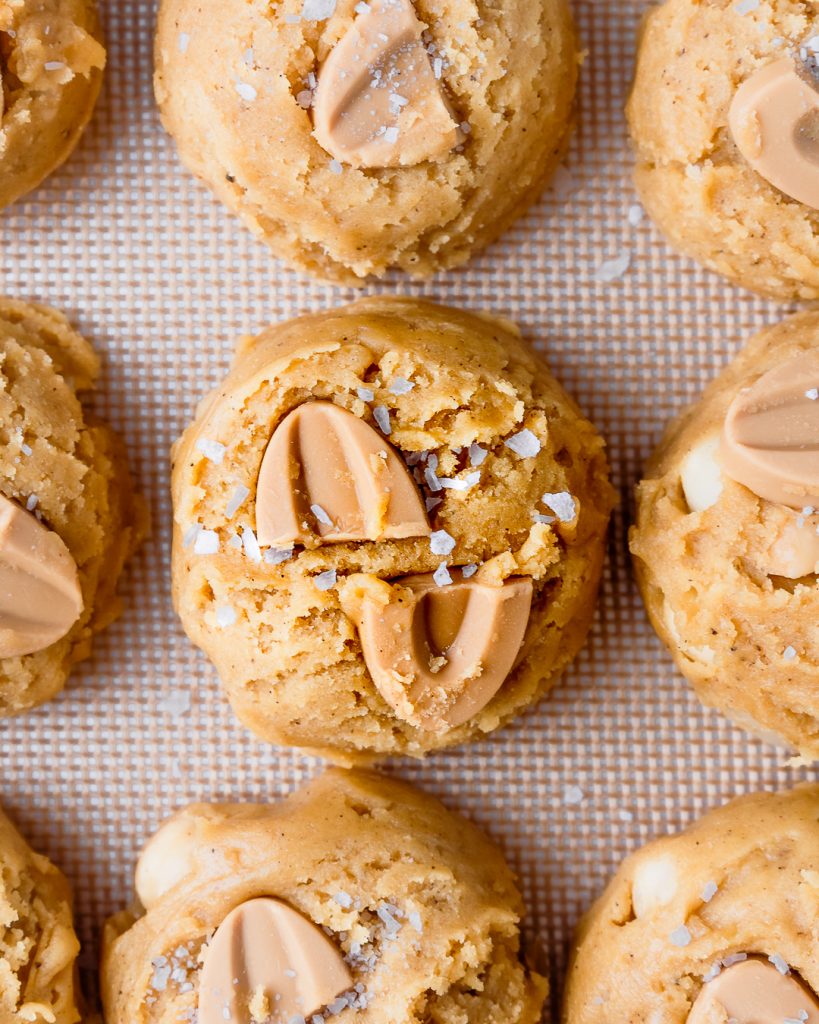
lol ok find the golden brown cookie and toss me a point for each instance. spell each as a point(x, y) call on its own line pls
point(38, 946)
point(354, 137)
point(717, 924)
point(357, 898)
point(51, 62)
point(389, 529)
point(68, 516)
point(726, 547)
point(724, 116)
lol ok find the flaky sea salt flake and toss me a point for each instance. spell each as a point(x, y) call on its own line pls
point(325, 580)
point(382, 418)
point(318, 10)
point(709, 892)
point(237, 499)
point(321, 515)
point(613, 269)
point(780, 963)
point(212, 450)
point(401, 386)
point(183, 42)
point(225, 615)
point(441, 575)
point(441, 543)
point(680, 936)
point(562, 504)
point(365, 394)
point(524, 443)
point(746, 6)
point(251, 545)
point(206, 543)
point(246, 91)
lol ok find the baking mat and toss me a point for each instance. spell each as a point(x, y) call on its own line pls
point(163, 280)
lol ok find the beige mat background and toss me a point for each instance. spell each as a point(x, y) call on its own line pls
point(163, 281)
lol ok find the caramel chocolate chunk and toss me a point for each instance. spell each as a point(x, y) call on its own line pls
point(40, 596)
point(267, 961)
point(774, 119)
point(327, 474)
point(770, 441)
point(438, 654)
point(754, 992)
point(378, 102)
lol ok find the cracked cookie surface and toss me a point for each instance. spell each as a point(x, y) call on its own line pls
point(726, 583)
point(236, 82)
point(51, 63)
point(691, 176)
point(38, 945)
point(427, 932)
point(69, 470)
point(489, 437)
point(740, 885)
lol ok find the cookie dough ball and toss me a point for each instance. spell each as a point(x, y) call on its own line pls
point(358, 898)
point(356, 137)
point(51, 62)
point(68, 516)
point(38, 946)
point(726, 543)
point(713, 925)
point(389, 529)
point(724, 114)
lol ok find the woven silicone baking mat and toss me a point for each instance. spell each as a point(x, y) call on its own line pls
point(163, 280)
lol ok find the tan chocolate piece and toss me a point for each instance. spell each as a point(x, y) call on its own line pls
point(770, 441)
point(40, 596)
point(438, 655)
point(327, 474)
point(754, 992)
point(378, 102)
point(774, 119)
point(265, 956)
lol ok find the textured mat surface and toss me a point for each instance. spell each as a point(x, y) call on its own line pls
point(163, 280)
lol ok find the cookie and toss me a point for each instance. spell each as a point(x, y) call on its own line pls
point(354, 137)
point(717, 924)
point(389, 529)
point(51, 63)
point(724, 115)
point(357, 898)
point(69, 519)
point(726, 546)
point(38, 946)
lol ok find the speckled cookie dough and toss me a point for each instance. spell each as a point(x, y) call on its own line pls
point(714, 170)
point(726, 547)
point(68, 516)
point(358, 898)
point(38, 945)
point(354, 137)
point(717, 924)
point(51, 62)
point(432, 577)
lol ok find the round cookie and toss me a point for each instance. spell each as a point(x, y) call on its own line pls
point(717, 924)
point(723, 115)
point(68, 516)
point(51, 62)
point(725, 544)
point(356, 137)
point(38, 946)
point(389, 529)
point(357, 898)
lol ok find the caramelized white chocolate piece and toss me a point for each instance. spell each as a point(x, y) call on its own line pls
point(774, 118)
point(438, 655)
point(701, 476)
point(378, 102)
point(654, 884)
point(754, 992)
point(770, 441)
point(328, 474)
point(264, 948)
point(166, 859)
point(40, 596)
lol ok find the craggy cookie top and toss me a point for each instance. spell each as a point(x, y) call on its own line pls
point(38, 946)
point(723, 114)
point(51, 63)
point(693, 924)
point(726, 542)
point(357, 898)
point(354, 136)
point(389, 528)
point(68, 517)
